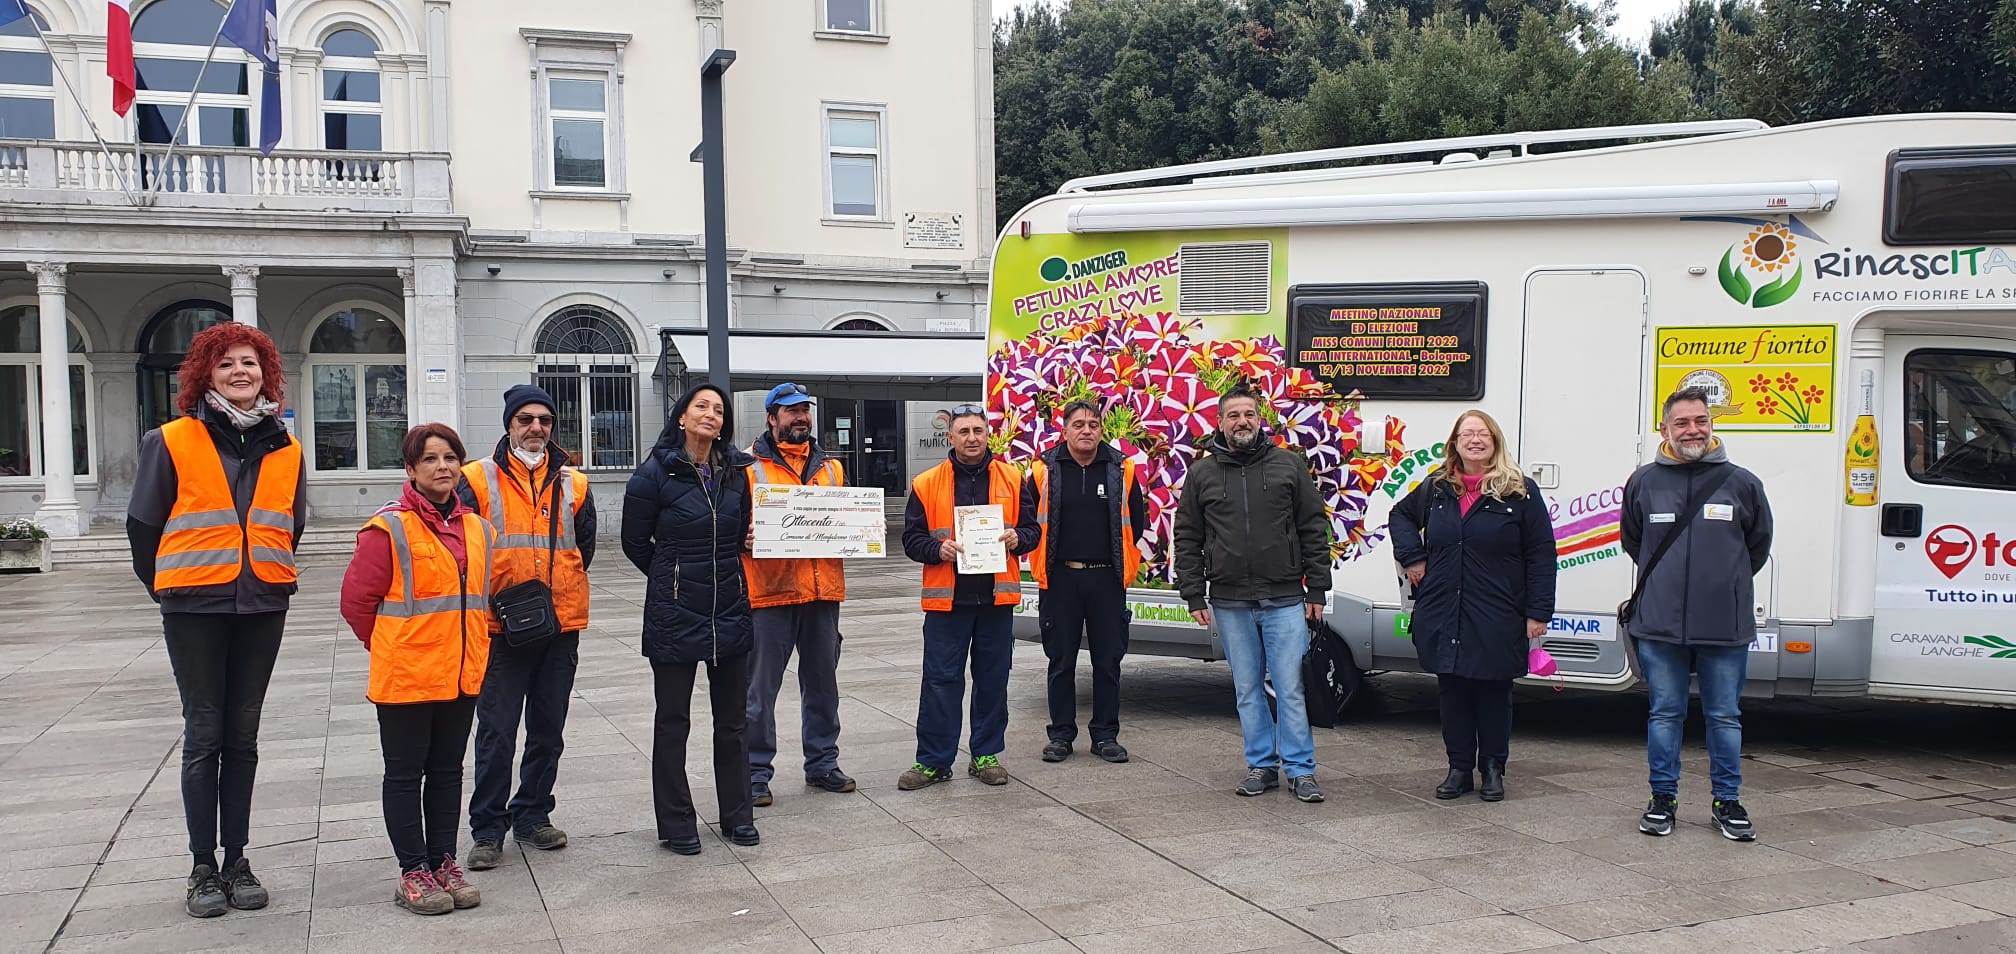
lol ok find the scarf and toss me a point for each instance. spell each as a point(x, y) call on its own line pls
point(240, 419)
point(528, 458)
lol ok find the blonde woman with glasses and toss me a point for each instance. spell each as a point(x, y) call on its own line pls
point(1478, 547)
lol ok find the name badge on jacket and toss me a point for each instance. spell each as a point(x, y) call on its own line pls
point(1718, 512)
point(1102, 491)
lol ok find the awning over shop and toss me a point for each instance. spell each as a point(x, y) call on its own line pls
point(885, 365)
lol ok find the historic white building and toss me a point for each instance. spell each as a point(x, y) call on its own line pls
point(470, 194)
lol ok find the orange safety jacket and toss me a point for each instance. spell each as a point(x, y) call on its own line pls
point(789, 582)
point(431, 640)
point(203, 543)
point(1123, 526)
point(934, 490)
point(521, 524)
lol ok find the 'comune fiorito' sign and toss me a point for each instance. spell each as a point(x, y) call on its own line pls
point(1388, 342)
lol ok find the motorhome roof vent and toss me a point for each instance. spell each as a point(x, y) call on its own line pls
point(1225, 278)
point(1456, 157)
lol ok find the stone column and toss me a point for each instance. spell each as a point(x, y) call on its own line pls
point(244, 293)
point(60, 514)
point(414, 417)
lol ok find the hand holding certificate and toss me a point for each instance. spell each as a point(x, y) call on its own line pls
point(980, 532)
point(791, 520)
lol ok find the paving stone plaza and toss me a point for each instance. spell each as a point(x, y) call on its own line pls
point(1882, 827)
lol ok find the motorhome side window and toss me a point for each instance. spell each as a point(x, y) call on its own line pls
point(1419, 341)
point(1947, 196)
point(1960, 418)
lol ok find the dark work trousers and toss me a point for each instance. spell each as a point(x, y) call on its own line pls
point(728, 692)
point(813, 629)
point(223, 663)
point(536, 681)
point(1476, 720)
point(424, 741)
point(1090, 606)
point(985, 635)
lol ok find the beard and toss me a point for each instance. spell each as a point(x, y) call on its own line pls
point(798, 434)
point(1691, 452)
point(1243, 440)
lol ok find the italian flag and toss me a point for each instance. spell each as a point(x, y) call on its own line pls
point(119, 53)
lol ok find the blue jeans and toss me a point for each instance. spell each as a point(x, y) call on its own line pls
point(535, 682)
point(813, 630)
point(1722, 670)
point(984, 637)
point(1257, 642)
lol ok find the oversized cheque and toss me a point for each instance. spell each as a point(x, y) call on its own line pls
point(799, 521)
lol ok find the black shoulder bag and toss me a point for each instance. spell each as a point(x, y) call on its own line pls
point(1694, 504)
point(525, 610)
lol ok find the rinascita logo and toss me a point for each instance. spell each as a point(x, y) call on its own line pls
point(1767, 250)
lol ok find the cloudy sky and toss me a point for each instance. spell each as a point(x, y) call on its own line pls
point(1634, 17)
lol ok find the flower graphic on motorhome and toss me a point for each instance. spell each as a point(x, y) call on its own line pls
point(1768, 249)
point(1158, 388)
point(1785, 395)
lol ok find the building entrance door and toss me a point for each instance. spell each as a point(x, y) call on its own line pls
point(867, 437)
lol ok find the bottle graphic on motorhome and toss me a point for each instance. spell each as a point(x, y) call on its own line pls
point(1862, 446)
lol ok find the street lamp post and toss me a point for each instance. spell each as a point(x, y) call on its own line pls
point(714, 180)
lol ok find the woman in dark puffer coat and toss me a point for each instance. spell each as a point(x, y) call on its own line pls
point(685, 516)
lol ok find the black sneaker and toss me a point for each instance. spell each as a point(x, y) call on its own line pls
point(243, 889)
point(1659, 814)
point(745, 835)
point(488, 854)
point(1734, 821)
point(1305, 788)
point(1110, 750)
point(834, 781)
point(207, 898)
point(1057, 751)
point(1258, 781)
point(760, 796)
point(545, 838)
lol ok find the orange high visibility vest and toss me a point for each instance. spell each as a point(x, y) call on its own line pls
point(1130, 555)
point(431, 641)
point(790, 582)
point(203, 543)
point(520, 552)
point(934, 489)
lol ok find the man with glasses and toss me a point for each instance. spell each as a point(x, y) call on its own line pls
point(966, 615)
point(795, 605)
point(545, 520)
point(1091, 513)
point(1253, 555)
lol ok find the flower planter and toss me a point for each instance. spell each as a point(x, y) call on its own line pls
point(24, 555)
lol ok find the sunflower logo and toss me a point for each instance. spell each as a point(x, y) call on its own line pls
point(1768, 250)
point(1769, 247)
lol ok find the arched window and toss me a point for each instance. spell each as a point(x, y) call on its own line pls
point(357, 370)
point(27, 82)
point(170, 38)
point(588, 362)
point(860, 324)
point(162, 345)
point(21, 387)
point(353, 114)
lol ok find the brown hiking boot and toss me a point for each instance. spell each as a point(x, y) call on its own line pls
point(987, 768)
point(453, 880)
point(419, 893)
point(920, 775)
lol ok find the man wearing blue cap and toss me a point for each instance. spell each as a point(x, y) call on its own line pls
point(795, 604)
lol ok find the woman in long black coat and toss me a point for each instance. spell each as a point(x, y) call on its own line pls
point(685, 515)
point(1478, 547)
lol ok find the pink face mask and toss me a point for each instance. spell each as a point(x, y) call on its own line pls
point(1540, 662)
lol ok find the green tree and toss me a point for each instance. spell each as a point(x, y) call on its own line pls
point(1824, 59)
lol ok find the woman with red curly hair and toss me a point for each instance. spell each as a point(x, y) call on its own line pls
point(219, 504)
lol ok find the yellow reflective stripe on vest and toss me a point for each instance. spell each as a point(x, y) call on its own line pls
point(402, 550)
point(762, 472)
point(193, 558)
point(494, 478)
point(202, 519)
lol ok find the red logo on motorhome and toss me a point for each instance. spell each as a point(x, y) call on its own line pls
point(1951, 548)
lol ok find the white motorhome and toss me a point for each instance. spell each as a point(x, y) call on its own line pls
point(1845, 290)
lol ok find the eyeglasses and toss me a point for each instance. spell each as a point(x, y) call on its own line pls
point(962, 410)
point(543, 420)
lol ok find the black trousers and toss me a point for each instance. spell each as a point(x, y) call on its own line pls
point(223, 663)
point(423, 742)
point(1476, 720)
point(536, 682)
point(728, 695)
point(1088, 605)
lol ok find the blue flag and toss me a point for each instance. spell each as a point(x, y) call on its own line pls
point(253, 26)
point(12, 10)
